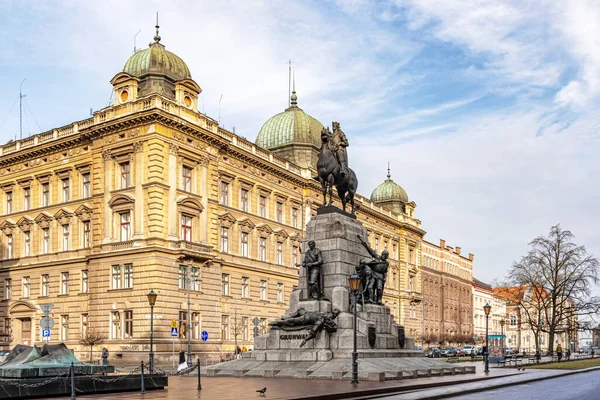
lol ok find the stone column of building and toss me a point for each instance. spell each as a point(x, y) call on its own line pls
point(173, 191)
point(107, 179)
point(204, 200)
point(139, 191)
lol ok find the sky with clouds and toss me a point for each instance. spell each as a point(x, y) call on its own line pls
point(486, 110)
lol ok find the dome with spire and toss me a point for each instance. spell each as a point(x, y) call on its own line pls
point(293, 135)
point(390, 195)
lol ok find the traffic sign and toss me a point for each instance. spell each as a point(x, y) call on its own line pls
point(256, 321)
point(174, 332)
point(174, 324)
point(45, 332)
point(256, 331)
point(204, 336)
point(46, 308)
point(46, 323)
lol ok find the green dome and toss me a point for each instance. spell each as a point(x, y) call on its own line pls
point(157, 60)
point(293, 126)
point(389, 191)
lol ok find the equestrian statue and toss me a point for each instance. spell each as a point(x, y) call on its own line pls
point(333, 169)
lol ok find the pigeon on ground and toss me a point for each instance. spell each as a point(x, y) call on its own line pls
point(262, 391)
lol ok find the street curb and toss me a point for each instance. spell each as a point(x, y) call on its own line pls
point(394, 389)
point(500, 386)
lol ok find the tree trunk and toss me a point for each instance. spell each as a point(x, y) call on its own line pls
point(551, 342)
point(91, 351)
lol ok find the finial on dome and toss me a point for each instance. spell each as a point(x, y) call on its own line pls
point(294, 97)
point(157, 36)
point(389, 175)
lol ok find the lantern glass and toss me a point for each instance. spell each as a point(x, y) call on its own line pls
point(354, 282)
point(152, 297)
point(487, 308)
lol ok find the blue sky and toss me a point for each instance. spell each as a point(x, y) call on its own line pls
point(487, 110)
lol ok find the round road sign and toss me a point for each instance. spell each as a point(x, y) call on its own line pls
point(46, 323)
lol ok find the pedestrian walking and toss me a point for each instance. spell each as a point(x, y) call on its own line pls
point(559, 352)
point(104, 356)
point(182, 363)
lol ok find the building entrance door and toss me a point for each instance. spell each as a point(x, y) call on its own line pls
point(26, 331)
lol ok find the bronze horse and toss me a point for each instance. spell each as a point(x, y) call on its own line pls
point(329, 174)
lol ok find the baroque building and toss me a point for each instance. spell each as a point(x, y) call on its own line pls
point(151, 194)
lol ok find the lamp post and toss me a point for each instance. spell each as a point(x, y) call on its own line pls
point(152, 301)
point(502, 322)
point(486, 309)
point(354, 282)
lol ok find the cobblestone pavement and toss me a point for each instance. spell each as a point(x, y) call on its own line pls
point(227, 388)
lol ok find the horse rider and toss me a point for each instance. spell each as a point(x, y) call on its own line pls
point(339, 142)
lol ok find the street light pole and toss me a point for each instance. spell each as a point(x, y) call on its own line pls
point(189, 317)
point(487, 308)
point(152, 301)
point(502, 322)
point(354, 282)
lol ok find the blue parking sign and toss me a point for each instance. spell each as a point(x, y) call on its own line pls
point(45, 332)
point(174, 332)
point(204, 336)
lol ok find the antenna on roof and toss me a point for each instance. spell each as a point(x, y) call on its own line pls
point(21, 95)
point(91, 112)
point(134, 48)
point(221, 98)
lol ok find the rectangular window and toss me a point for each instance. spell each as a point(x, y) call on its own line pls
point(262, 326)
point(295, 217)
point(196, 325)
point(27, 243)
point(8, 289)
point(195, 279)
point(244, 200)
point(125, 226)
point(26, 286)
point(128, 324)
point(64, 283)
point(244, 328)
point(279, 252)
point(224, 240)
point(263, 290)
point(116, 277)
point(186, 228)
point(7, 327)
point(280, 292)
point(84, 281)
point(86, 185)
point(125, 175)
point(84, 325)
point(115, 326)
point(26, 198)
point(294, 256)
point(64, 327)
point(225, 284)
point(262, 249)
point(186, 178)
point(279, 212)
point(66, 192)
point(87, 227)
point(182, 324)
point(245, 288)
point(9, 246)
point(45, 194)
point(128, 276)
point(9, 202)
point(65, 241)
point(45, 285)
point(225, 327)
point(224, 193)
point(182, 277)
point(262, 206)
point(244, 244)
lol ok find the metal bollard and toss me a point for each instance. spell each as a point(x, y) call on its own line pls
point(143, 391)
point(73, 397)
point(199, 383)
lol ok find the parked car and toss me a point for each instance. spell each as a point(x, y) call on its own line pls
point(433, 352)
point(460, 352)
point(509, 351)
point(449, 352)
point(480, 351)
point(420, 348)
point(469, 350)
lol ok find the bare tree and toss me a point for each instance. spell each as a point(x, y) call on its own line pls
point(428, 338)
point(552, 284)
point(92, 338)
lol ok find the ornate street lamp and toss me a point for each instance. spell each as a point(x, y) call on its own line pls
point(486, 309)
point(152, 301)
point(354, 282)
point(502, 322)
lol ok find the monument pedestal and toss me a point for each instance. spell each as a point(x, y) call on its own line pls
point(328, 356)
